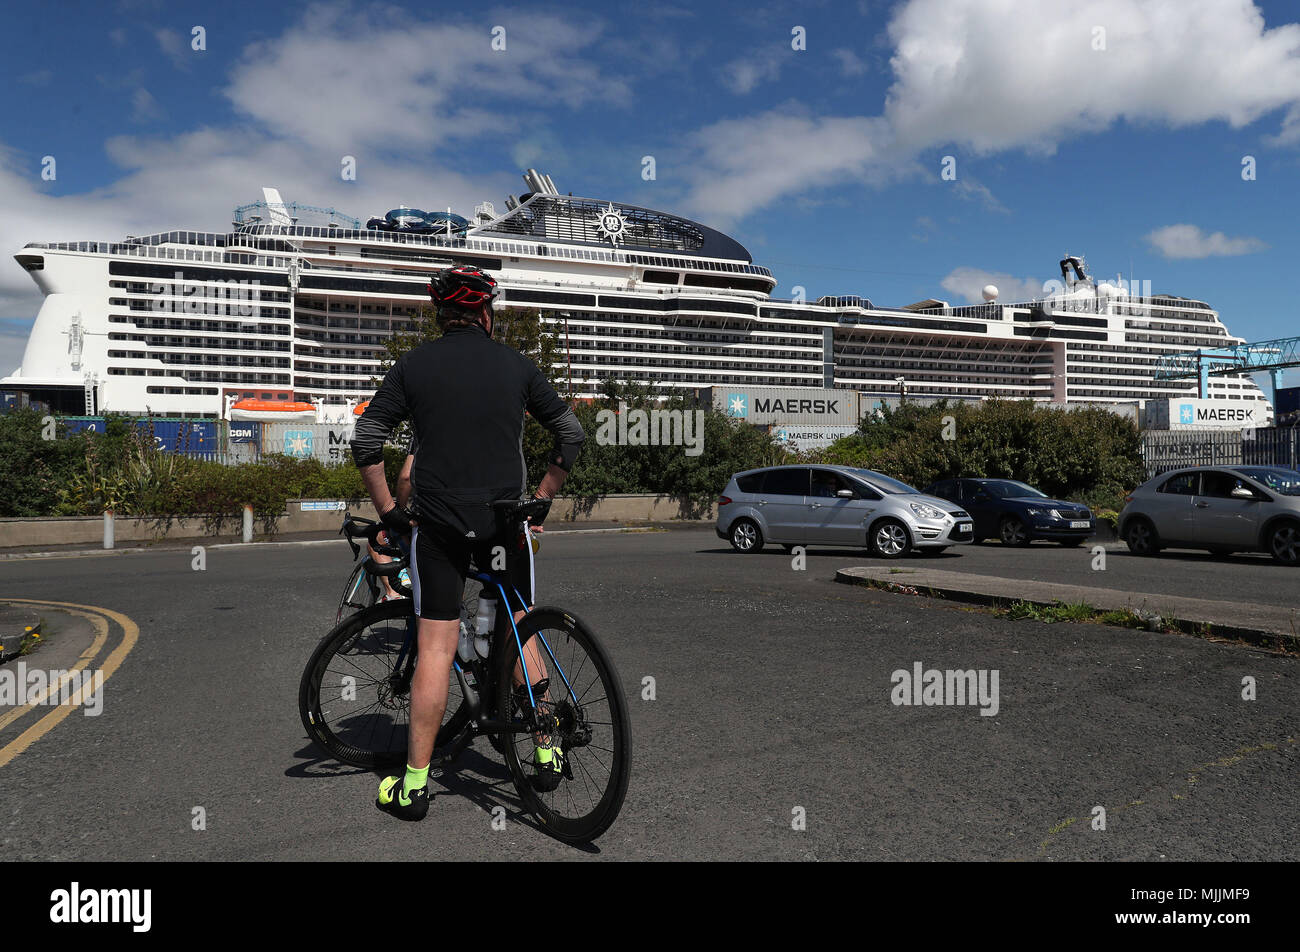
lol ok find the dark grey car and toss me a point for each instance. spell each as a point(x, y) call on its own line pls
point(1223, 509)
point(836, 505)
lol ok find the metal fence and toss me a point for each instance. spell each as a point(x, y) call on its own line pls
point(1163, 450)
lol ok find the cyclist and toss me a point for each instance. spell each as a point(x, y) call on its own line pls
point(465, 395)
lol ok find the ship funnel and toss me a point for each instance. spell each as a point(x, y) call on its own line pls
point(275, 207)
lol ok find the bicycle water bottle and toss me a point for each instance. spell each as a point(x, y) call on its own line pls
point(465, 647)
point(483, 624)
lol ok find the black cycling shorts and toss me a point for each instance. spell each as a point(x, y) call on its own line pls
point(440, 563)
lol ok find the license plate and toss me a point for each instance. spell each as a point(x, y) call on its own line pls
point(1079, 524)
point(965, 526)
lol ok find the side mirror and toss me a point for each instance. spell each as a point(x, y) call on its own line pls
point(845, 493)
point(1241, 492)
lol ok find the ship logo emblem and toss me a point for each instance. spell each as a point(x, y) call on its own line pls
point(612, 225)
point(297, 443)
point(737, 405)
point(1185, 413)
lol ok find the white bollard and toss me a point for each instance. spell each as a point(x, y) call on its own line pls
point(108, 528)
point(248, 523)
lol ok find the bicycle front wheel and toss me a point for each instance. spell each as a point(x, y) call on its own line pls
point(355, 693)
point(362, 591)
point(580, 708)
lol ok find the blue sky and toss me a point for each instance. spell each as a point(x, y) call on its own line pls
point(824, 161)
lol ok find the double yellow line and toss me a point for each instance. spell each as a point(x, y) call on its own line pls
point(98, 618)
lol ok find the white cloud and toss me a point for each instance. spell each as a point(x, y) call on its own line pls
point(415, 95)
point(744, 75)
point(174, 46)
point(13, 342)
point(850, 63)
point(1189, 241)
point(973, 191)
point(739, 165)
point(295, 131)
point(967, 284)
point(144, 108)
point(1175, 63)
point(996, 75)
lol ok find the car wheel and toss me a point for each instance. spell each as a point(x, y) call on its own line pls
point(1141, 539)
point(1013, 532)
point(1284, 543)
point(889, 539)
point(746, 536)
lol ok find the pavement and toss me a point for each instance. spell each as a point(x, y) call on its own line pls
point(1268, 624)
point(765, 716)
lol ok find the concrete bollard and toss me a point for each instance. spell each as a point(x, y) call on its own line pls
point(108, 528)
point(248, 523)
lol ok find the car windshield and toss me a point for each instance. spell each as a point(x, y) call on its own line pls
point(884, 483)
point(1010, 489)
point(1284, 481)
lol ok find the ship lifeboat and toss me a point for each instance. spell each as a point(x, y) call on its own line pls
point(273, 411)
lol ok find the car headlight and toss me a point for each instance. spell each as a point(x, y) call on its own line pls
point(1034, 512)
point(926, 512)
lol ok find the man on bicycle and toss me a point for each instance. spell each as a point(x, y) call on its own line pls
point(466, 396)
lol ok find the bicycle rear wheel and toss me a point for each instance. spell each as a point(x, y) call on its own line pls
point(583, 709)
point(355, 693)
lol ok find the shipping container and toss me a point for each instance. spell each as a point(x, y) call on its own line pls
point(1189, 413)
point(326, 442)
point(763, 406)
point(809, 436)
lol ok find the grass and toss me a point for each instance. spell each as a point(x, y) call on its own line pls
point(1069, 612)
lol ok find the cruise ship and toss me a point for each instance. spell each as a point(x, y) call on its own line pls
point(280, 308)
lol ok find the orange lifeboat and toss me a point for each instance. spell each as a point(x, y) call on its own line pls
point(272, 411)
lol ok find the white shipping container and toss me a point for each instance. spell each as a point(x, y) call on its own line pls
point(763, 406)
point(1190, 413)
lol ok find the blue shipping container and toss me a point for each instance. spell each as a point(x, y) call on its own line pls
point(245, 431)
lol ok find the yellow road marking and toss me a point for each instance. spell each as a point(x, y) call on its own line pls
point(101, 627)
point(130, 634)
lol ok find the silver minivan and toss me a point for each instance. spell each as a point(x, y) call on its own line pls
point(836, 505)
point(1223, 509)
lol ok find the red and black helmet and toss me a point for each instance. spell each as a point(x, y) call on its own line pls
point(462, 286)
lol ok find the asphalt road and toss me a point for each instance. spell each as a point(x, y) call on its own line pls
point(773, 690)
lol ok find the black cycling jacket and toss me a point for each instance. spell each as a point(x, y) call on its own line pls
point(466, 395)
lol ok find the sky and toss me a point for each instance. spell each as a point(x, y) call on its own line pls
point(896, 150)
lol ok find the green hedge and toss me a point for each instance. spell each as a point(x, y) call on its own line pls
point(1087, 454)
point(122, 469)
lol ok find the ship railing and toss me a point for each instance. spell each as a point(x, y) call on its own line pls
point(172, 254)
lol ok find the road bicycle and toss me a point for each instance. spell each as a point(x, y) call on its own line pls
point(545, 679)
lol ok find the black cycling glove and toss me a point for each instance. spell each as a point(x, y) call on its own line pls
point(537, 518)
point(397, 519)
